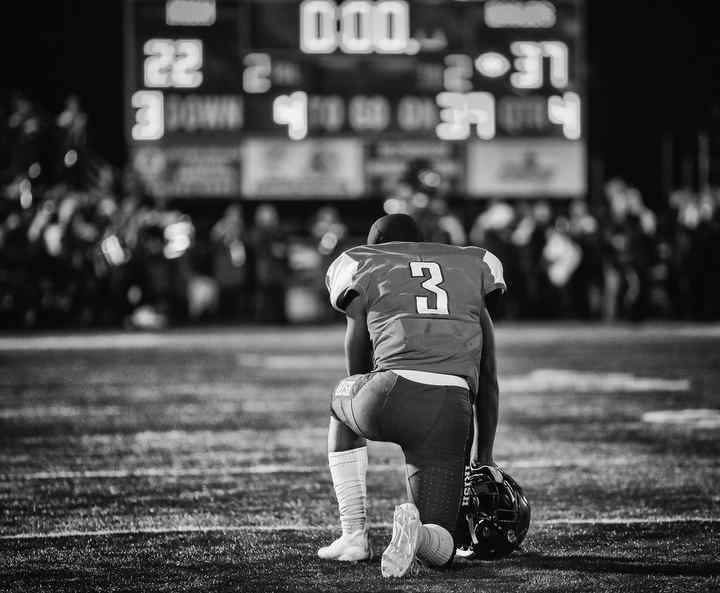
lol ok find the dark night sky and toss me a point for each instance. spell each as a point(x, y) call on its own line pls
point(650, 73)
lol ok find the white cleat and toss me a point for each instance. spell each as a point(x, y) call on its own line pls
point(399, 556)
point(352, 547)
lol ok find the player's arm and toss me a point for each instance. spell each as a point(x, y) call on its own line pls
point(486, 401)
point(492, 303)
point(358, 347)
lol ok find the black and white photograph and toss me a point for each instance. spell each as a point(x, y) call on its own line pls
point(360, 296)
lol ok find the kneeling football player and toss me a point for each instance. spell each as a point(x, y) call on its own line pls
point(419, 351)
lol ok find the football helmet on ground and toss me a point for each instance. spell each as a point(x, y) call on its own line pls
point(494, 515)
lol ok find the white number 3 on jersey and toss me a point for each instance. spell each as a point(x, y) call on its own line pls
point(432, 284)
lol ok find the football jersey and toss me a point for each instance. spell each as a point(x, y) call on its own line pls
point(423, 303)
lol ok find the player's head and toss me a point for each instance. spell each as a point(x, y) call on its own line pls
point(394, 227)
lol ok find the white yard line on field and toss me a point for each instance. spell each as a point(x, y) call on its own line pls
point(251, 338)
point(264, 469)
point(170, 472)
point(241, 339)
point(298, 527)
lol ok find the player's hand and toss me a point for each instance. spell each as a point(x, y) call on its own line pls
point(490, 468)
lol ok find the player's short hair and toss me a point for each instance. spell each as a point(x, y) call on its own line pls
point(394, 227)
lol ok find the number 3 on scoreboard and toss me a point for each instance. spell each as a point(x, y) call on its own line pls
point(432, 284)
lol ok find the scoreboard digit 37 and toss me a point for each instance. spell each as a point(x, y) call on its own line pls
point(329, 99)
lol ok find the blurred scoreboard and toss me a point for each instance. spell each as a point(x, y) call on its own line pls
point(281, 99)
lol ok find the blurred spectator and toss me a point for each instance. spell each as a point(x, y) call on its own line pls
point(160, 272)
point(329, 232)
point(230, 264)
point(24, 128)
point(423, 190)
point(72, 133)
point(440, 225)
point(627, 237)
point(528, 240)
point(586, 282)
point(693, 250)
point(330, 236)
point(561, 256)
point(269, 250)
point(72, 122)
point(493, 230)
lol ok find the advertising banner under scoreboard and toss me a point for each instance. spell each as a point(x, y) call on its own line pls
point(528, 167)
point(387, 162)
point(328, 168)
point(190, 170)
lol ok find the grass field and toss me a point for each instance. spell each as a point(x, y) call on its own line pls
point(195, 461)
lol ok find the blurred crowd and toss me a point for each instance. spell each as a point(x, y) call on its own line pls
point(610, 259)
point(616, 260)
point(82, 245)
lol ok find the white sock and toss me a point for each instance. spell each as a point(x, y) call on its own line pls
point(436, 545)
point(348, 469)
